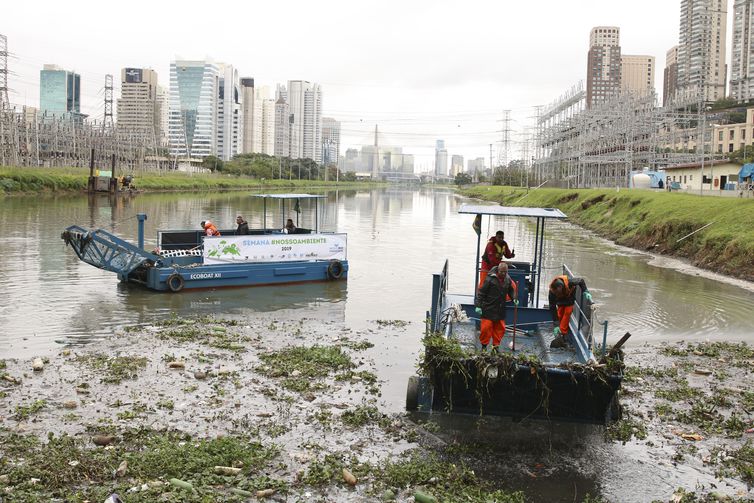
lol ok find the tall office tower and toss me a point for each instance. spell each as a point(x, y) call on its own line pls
point(603, 78)
point(702, 50)
point(163, 104)
point(247, 90)
point(330, 141)
point(229, 121)
point(283, 125)
point(305, 102)
point(192, 121)
point(441, 159)
point(475, 166)
point(670, 76)
point(59, 92)
point(637, 75)
point(258, 118)
point(456, 165)
point(742, 51)
point(267, 127)
point(139, 109)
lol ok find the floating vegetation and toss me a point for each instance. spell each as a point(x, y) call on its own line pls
point(115, 369)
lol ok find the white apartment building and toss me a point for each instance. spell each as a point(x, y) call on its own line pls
point(742, 51)
point(258, 118)
point(138, 106)
point(229, 121)
point(637, 75)
point(441, 159)
point(283, 126)
point(702, 50)
point(163, 103)
point(192, 121)
point(305, 106)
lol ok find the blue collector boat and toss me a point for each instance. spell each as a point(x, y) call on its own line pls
point(187, 259)
point(528, 379)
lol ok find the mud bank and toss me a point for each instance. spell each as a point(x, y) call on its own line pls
point(660, 222)
point(245, 410)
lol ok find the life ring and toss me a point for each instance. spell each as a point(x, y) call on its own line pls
point(335, 269)
point(175, 282)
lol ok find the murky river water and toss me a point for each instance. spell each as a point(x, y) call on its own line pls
point(396, 239)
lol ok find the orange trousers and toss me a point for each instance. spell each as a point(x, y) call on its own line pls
point(491, 330)
point(482, 276)
point(564, 315)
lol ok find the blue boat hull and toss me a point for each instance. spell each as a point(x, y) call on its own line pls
point(234, 275)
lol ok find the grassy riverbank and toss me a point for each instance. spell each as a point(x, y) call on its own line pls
point(655, 221)
point(35, 180)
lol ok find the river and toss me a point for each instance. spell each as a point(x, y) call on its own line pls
point(396, 239)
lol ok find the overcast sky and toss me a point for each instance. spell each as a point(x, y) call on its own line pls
point(419, 69)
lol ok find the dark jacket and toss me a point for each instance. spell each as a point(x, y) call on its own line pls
point(569, 297)
point(491, 295)
point(243, 228)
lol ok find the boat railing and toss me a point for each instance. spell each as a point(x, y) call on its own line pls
point(581, 320)
point(439, 287)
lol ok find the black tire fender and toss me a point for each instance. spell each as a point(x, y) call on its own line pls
point(335, 269)
point(175, 282)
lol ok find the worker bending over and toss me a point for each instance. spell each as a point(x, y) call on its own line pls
point(210, 229)
point(561, 298)
point(494, 252)
point(491, 297)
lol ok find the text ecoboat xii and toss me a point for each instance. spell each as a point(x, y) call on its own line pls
point(187, 259)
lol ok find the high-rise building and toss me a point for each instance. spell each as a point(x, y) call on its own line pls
point(258, 118)
point(229, 121)
point(603, 78)
point(283, 125)
point(637, 75)
point(330, 141)
point(702, 50)
point(670, 76)
point(441, 159)
point(59, 92)
point(456, 164)
point(139, 110)
point(475, 166)
point(742, 51)
point(305, 102)
point(163, 104)
point(192, 121)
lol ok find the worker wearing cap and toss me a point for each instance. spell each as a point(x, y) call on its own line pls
point(491, 297)
point(494, 252)
point(243, 226)
point(209, 228)
point(562, 298)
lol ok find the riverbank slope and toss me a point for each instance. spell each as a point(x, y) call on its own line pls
point(659, 222)
point(34, 180)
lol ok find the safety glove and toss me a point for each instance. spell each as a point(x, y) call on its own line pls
point(588, 296)
point(478, 311)
point(556, 331)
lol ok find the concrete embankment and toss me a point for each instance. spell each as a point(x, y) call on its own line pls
point(713, 233)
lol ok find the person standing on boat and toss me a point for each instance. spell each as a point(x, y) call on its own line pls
point(243, 226)
point(562, 298)
point(494, 252)
point(210, 229)
point(289, 228)
point(492, 295)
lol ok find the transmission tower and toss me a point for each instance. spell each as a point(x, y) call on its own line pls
point(107, 120)
point(506, 139)
point(4, 100)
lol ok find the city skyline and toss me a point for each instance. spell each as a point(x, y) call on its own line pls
point(417, 86)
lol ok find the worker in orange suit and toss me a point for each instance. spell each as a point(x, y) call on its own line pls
point(491, 297)
point(210, 229)
point(562, 298)
point(494, 252)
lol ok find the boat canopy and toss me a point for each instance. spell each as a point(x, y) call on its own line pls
point(511, 211)
point(289, 196)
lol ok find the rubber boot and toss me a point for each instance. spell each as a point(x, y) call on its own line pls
point(558, 342)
